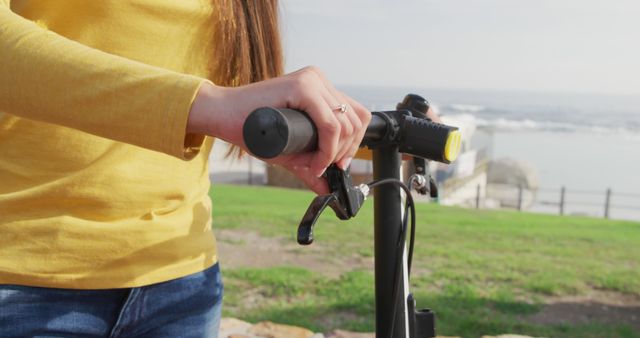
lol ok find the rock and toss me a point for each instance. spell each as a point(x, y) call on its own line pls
point(272, 330)
point(233, 328)
point(504, 179)
point(507, 336)
point(507, 196)
point(513, 172)
point(349, 334)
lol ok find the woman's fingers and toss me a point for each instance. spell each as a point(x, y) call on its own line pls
point(308, 93)
point(354, 119)
point(433, 115)
point(334, 120)
point(360, 118)
point(349, 125)
point(329, 136)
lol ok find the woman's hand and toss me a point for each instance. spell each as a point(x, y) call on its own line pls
point(221, 112)
point(433, 115)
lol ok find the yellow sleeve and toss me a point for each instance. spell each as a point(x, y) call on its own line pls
point(49, 78)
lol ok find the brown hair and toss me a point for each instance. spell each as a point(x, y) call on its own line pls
point(247, 42)
point(247, 45)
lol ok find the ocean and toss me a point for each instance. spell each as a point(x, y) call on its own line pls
point(586, 143)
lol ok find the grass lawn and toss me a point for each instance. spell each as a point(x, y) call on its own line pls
point(482, 272)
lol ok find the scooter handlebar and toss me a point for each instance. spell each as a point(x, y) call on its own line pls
point(270, 132)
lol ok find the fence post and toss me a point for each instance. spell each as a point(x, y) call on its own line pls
point(519, 197)
point(607, 203)
point(562, 193)
point(478, 196)
point(250, 170)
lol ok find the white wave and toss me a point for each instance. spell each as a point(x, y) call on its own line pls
point(511, 125)
point(463, 107)
point(514, 125)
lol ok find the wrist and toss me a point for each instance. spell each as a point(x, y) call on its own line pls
point(199, 114)
point(213, 113)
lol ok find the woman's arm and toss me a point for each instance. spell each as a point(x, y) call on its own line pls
point(49, 78)
point(46, 77)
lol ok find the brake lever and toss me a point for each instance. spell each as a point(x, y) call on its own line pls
point(426, 183)
point(344, 199)
point(317, 206)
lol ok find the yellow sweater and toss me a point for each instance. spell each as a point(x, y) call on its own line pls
point(99, 185)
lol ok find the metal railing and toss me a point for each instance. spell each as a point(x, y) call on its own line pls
point(584, 202)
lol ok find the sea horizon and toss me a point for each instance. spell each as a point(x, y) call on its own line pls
point(584, 143)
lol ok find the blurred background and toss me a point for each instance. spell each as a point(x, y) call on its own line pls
point(547, 93)
point(547, 96)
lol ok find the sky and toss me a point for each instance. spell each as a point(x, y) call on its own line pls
point(581, 46)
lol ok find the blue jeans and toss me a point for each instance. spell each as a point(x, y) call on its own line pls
point(185, 307)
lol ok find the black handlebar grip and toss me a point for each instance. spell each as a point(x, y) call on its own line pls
point(270, 132)
point(428, 139)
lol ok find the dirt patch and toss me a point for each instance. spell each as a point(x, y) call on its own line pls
point(239, 248)
point(244, 248)
point(338, 319)
point(598, 306)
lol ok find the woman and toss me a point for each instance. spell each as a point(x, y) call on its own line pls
point(108, 113)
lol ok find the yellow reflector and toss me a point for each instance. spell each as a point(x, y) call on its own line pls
point(452, 147)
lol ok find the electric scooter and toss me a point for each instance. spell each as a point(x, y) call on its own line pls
point(270, 132)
